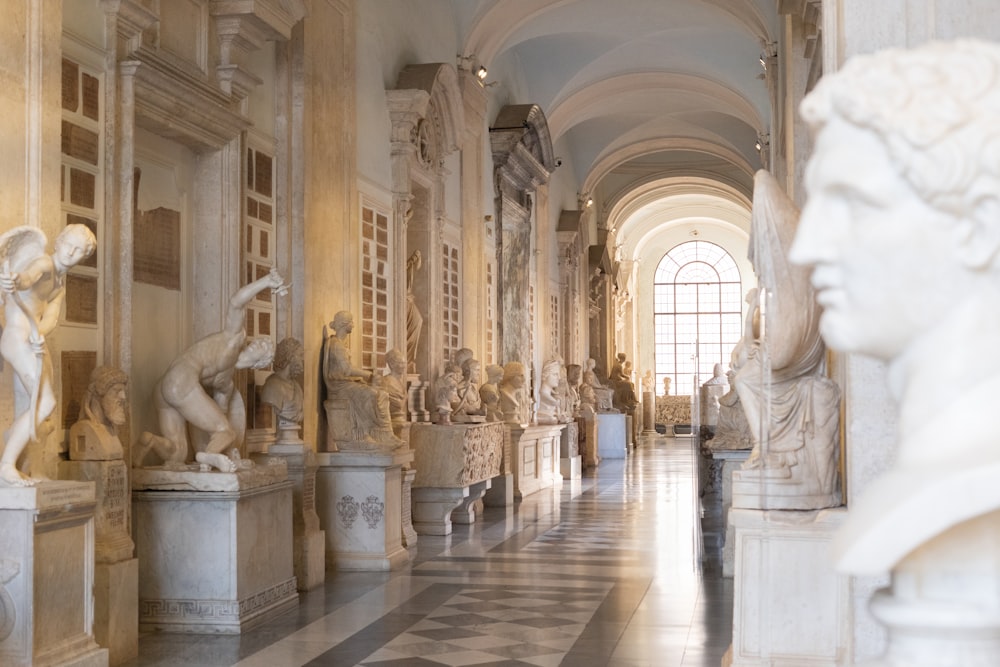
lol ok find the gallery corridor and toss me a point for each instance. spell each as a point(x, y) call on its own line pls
point(603, 571)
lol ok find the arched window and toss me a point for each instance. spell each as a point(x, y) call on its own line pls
point(697, 313)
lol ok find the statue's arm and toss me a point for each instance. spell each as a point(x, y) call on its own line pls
point(235, 318)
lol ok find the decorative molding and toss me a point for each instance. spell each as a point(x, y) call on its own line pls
point(188, 611)
point(373, 511)
point(347, 510)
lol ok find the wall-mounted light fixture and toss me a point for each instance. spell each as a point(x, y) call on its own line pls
point(481, 73)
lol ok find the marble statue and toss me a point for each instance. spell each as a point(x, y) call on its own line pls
point(574, 375)
point(94, 437)
point(489, 393)
point(512, 393)
point(357, 408)
point(446, 394)
point(33, 289)
point(549, 401)
point(468, 408)
point(718, 376)
point(797, 451)
point(732, 430)
point(603, 396)
point(902, 231)
point(283, 390)
point(648, 382)
point(617, 374)
point(624, 397)
point(197, 389)
point(414, 320)
point(394, 384)
point(666, 385)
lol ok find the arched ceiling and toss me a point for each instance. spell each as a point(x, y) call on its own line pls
point(637, 90)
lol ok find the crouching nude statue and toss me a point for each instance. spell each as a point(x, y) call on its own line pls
point(198, 390)
point(357, 409)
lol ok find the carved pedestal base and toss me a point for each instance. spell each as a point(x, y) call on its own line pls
point(534, 457)
point(785, 579)
point(309, 545)
point(416, 399)
point(731, 460)
point(470, 506)
point(47, 576)
point(648, 413)
point(611, 435)
point(214, 549)
point(776, 489)
point(359, 502)
point(116, 615)
point(452, 463)
point(569, 451)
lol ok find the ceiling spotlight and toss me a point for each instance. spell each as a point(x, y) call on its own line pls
point(589, 202)
point(481, 73)
point(757, 145)
point(763, 62)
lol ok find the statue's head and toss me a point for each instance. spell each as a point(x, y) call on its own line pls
point(106, 398)
point(396, 361)
point(551, 371)
point(343, 322)
point(903, 215)
point(494, 374)
point(513, 374)
point(75, 243)
point(470, 370)
point(291, 355)
point(574, 373)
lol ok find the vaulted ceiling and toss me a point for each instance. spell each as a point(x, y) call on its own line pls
point(638, 92)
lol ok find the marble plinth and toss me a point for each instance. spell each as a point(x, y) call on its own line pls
point(766, 489)
point(611, 436)
point(534, 457)
point(47, 539)
point(648, 413)
point(790, 608)
point(588, 441)
point(116, 583)
point(416, 399)
point(359, 502)
point(569, 452)
point(452, 462)
point(309, 545)
point(730, 459)
point(215, 549)
point(406, 505)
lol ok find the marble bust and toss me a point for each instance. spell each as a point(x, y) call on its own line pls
point(489, 393)
point(549, 402)
point(394, 384)
point(198, 389)
point(33, 286)
point(283, 392)
point(794, 460)
point(94, 437)
point(446, 393)
point(357, 407)
point(574, 375)
point(902, 231)
point(511, 393)
point(468, 408)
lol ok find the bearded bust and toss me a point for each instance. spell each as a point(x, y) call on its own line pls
point(95, 436)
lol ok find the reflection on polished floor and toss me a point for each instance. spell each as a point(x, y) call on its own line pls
point(603, 571)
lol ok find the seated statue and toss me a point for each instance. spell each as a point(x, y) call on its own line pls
point(469, 407)
point(33, 291)
point(394, 383)
point(571, 399)
point(95, 436)
point(603, 396)
point(198, 389)
point(489, 393)
point(283, 392)
point(549, 401)
point(617, 373)
point(357, 408)
point(511, 393)
point(624, 397)
point(798, 452)
point(732, 430)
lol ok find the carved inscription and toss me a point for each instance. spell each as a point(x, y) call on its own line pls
point(113, 514)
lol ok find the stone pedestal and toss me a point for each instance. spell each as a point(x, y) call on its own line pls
point(454, 467)
point(309, 546)
point(47, 576)
point(501, 491)
point(611, 435)
point(359, 502)
point(588, 441)
point(214, 548)
point(416, 399)
point(648, 413)
point(569, 451)
point(730, 460)
point(406, 505)
point(116, 572)
point(789, 606)
point(534, 457)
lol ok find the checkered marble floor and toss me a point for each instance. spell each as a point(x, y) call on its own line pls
point(601, 571)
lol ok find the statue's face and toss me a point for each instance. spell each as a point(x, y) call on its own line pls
point(397, 365)
point(113, 404)
point(881, 256)
point(474, 373)
point(517, 379)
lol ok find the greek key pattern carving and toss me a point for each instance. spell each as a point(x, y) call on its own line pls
point(373, 510)
point(347, 508)
point(482, 450)
point(216, 610)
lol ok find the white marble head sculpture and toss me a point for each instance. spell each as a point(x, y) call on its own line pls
point(106, 399)
point(902, 229)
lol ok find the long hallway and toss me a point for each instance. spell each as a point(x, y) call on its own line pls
point(603, 571)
